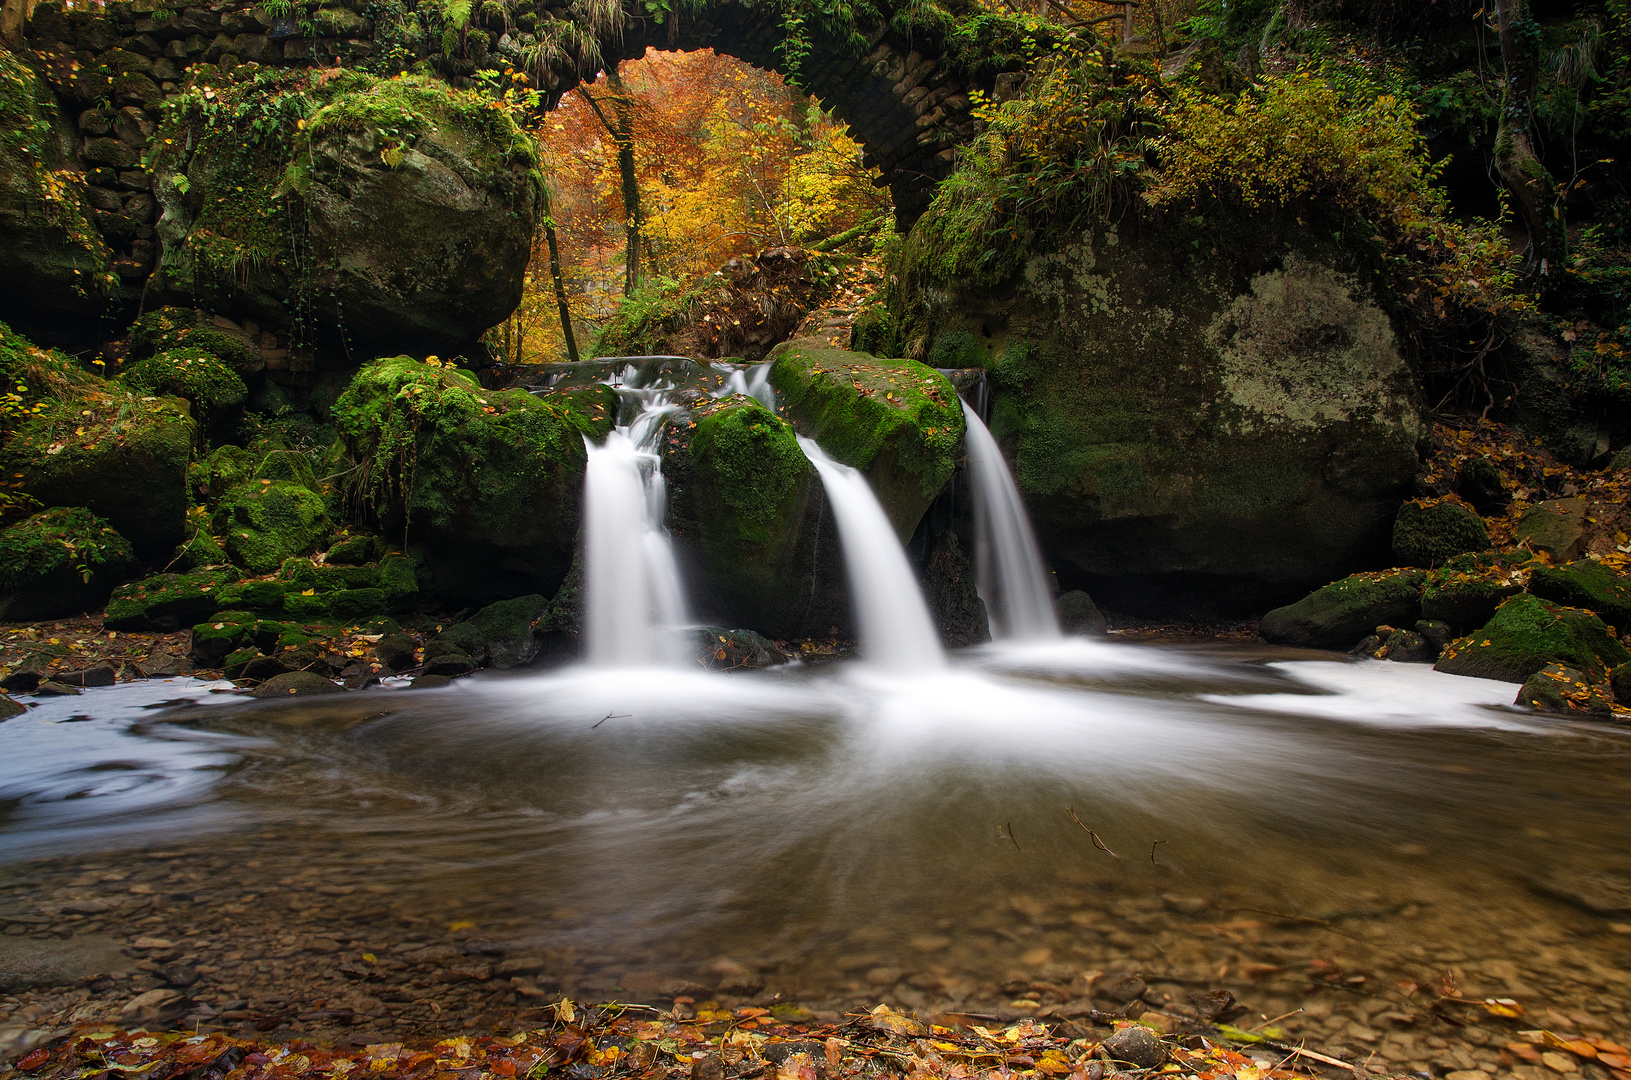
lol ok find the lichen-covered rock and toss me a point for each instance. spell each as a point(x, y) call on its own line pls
point(1586, 584)
point(1526, 634)
point(262, 524)
point(1559, 689)
point(897, 421)
point(398, 212)
point(745, 508)
point(166, 602)
point(1557, 527)
point(123, 456)
point(488, 481)
point(55, 268)
point(1427, 534)
point(1338, 614)
point(1202, 417)
point(60, 562)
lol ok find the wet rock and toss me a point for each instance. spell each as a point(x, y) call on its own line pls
point(296, 684)
point(954, 601)
point(1465, 599)
point(1346, 610)
point(1565, 691)
point(1600, 892)
point(725, 650)
point(430, 682)
point(148, 1005)
point(399, 652)
point(56, 689)
point(1213, 1004)
point(1436, 634)
point(1526, 634)
point(163, 666)
point(1079, 615)
point(1620, 680)
point(102, 675)
point(1136, 1045)
point(1118, 988)
point(1429, 535)
point(1557, 528)
point(1586, 584)
point(499, 635)
point(446, 660)
point(26, 963)
point(60, 562)
point(1406, 646)
point(21, 682)
point(9, 708)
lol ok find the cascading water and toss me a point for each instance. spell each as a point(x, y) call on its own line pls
point(634, 602)
point(753, 382)
point(896, 631)
point(1009, 573)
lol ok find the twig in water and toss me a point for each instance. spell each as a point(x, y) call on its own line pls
point(609, 716)
point(1100, 844)
point(1009, 825)
point(1152, 852)
point(1276, 1020)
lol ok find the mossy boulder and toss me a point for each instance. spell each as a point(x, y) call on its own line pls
point(1343, 612)
point(398, 211)
point(289, 465)
point(1204, 415)
point(489, 482)
point(166, 602)
point(1557, 527)
point(55, 269)
point(213, 389)
point(1526, 634)
point(1466, 594)
point(346, 606)
point(60, 562)
point(1428, 534)
point(124, 456)
point(1586, 584)
point(262, 523)
point(1562, 690)
point(172, 328)
point(259, 597)
point(296, 684)
point(501, 635)
point(224, 469)
point(745, 507)
point(897, 421)
point(199, 552)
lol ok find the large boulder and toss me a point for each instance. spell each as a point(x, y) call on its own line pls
point(262, 523)
point(398, 212)
point(1203, 417)
point(500, 635)
point(1343, 612)
point(1526, 634)
point(55, 274)
point(60, 562)
point(489, 482)
point(1586, 584)
point(1428, 534)
point(747, 512)
point(897, 421)
point(122, 455)
point(166, 602)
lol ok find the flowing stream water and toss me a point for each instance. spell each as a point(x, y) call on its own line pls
point(896, 631)
point(1012, 579)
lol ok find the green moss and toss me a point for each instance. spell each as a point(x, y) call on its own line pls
point(398, 581)
point(1526, 634)
point(122, 455)
point(1338, 615)
point(60, 562)
point(188, 373)
point(166, 602)
point(173, 328)
point(225, 468)
point(1586, 584)
point(342, 606)
point(261, 597)
point(864, 409)
point(1466, 594)
point(262, 524)
point(751, 457)
point(201, 551)
point(227, 632)
point(289, 465)
point(32, 378)
point(302, 574)
point(1426, 534)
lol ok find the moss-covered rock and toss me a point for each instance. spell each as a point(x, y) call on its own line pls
point(55, 269)
point(1526, 634)
point(1586, 584)
point(297, 684)
point(173, 328)
point(289, 465)
point(1559, 689)
point(213, 388)
point(122, 455)
point(1620, 681)
point(1428, 534)
point(399, 211)
point(265, 522)
point(345, 606)
point(897, 421)
point(60, 562)
point(1203, 417)
point(166, 602)
point(744, 503)
point(501, 635)
point(224, 634)
point(201, 551)
point(259, 597)
point(1467, 596)
point(1343, 612)
point(488, 481)
point(225, 468)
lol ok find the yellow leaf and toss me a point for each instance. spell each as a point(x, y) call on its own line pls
point(309, 592)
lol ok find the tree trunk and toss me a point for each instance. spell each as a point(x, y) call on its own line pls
point(13, 21)
point(623, 109)
point(560, 292)
point(1534, 193)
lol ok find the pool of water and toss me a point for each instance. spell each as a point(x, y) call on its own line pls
point(1346, 838)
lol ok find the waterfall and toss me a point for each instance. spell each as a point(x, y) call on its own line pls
point(633, 598)
point(896, 631)
point(1009, 573)
point(753, 382)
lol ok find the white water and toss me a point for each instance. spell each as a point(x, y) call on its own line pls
point(634, 601)
point(752, 382)
point(1009, 573)
point(896, 631)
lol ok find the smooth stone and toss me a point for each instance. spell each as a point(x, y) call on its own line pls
point(297, 684)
